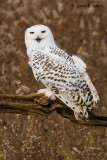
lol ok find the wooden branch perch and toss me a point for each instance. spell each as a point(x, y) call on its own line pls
point(38, 103)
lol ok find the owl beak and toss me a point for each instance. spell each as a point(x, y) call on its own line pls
point(38, 39)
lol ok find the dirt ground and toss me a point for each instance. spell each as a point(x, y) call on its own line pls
point(77, 30)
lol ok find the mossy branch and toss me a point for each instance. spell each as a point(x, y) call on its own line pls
point(38, 103)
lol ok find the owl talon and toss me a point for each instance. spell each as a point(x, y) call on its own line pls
point(36, 91)
point(52, 100)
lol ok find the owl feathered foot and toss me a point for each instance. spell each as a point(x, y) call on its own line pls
point(48, 93)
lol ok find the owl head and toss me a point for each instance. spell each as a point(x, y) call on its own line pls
point(38, 36)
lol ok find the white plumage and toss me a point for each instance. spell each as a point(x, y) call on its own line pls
point(64, 76)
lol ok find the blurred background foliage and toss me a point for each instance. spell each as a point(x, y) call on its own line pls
point(80, 31)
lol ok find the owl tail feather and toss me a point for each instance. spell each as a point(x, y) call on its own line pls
point(76, 104)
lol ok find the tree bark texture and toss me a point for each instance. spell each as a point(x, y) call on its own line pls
point(38, 103)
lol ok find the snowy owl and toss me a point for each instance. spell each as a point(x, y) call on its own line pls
point(63, 75)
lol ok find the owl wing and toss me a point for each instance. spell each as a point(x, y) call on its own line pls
point(53, 69)
point(81, 67)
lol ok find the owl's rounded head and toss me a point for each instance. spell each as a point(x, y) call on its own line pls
point(38, 36)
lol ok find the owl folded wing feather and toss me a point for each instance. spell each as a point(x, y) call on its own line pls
point(81, 66)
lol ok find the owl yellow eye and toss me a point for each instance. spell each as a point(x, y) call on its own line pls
point(43, 31)
point(31, 32)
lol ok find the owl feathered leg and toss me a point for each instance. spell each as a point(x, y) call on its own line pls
point(48, 93)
